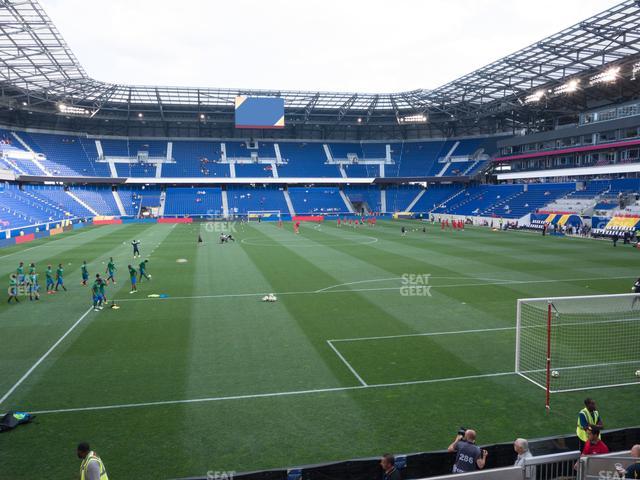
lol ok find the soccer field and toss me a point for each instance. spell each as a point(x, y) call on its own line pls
point(347, 363)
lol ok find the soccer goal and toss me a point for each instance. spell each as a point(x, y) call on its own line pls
point(565, 344)
point(259, 215)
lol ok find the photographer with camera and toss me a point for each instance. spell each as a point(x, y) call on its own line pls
point(469, 457)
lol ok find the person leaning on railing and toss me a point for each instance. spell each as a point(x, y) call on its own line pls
point(633, 470)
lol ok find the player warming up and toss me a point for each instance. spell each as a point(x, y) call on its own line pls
point(49, 277)
point(133, 276)
point(143, 270)
point(33, 286)
point(95, 293)
point(13, 288)
point(136, 248)
point(111, 271)
point(85, 274)
point(60, 278)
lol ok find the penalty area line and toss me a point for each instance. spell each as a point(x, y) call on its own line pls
point(272, 394)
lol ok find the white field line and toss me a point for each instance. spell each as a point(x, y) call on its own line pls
point(344, 360)
point(577, 367)
point(595, 387)
point(325, 291)
point(483, 330)
point(272, 394)
point(44, 356)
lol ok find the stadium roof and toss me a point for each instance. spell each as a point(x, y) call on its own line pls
point(39, 73)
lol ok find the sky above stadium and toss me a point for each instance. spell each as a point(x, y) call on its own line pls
point(333, 45)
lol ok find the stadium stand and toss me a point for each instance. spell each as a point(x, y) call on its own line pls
point(324, 200)
point(193, 201)
point(246, 199)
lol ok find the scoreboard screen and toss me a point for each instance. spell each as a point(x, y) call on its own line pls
point(259, 112)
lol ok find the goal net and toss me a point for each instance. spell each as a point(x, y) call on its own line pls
point(259, 215)
point(565, 344)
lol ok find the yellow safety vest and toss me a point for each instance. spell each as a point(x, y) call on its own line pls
point(92, 457)
point(592, 419)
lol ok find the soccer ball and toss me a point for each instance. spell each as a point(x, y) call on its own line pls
point(637, 373)
point(555, 374)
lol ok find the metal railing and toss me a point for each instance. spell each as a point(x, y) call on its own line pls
point(605, 467)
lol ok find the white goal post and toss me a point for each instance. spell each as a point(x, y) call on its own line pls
point(258, 215)
point(566, 344)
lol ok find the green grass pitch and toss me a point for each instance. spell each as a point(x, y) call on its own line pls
point(212, 378)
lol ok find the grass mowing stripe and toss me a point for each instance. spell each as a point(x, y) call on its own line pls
point(44, 356)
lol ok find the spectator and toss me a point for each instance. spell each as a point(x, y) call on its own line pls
point(594, 446)
point(588, 416)
point(469, 457)
point(633, 470)
point(91, 467)
point(521, 446)
point(388, 464)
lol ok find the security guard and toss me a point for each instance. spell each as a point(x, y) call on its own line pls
point(588, 416)
point(91, 467)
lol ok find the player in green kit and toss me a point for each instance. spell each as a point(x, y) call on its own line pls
point(49, 276)
point(20, 273)
point(95, 293)
point(143, 270)
point(13, 288)
point(33, 286)
point(85, 273)
point(60, 278)
point(101, 284)
point(133, 276)
point(111, 271)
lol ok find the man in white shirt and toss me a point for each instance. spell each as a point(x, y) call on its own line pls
point(521, 446)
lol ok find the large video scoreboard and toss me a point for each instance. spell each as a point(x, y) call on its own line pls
point(259, 112)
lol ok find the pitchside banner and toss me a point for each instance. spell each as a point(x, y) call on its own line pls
point(259, 112)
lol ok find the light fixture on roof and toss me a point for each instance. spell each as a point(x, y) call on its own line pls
point(569, 87)
point(71, 110)
point(608, 76)
point(140, 115)
point(535, 97)
point(359, 119)
point(202, 116)
point(417, 118)
point(24, 104)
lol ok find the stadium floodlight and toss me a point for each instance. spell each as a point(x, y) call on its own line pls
point(417, 118)
point(569, 87)
point(608, 76)
point(567, 344)
point(202, 116)
point(535, 97)
point(71, 110)
point(140, 115)
point(635, 70)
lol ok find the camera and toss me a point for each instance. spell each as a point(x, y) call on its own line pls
point(462, 431)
